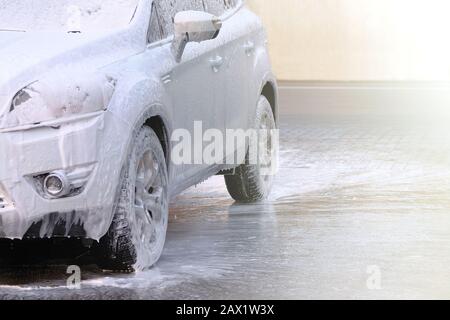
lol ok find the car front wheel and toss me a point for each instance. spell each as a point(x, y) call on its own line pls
point(137, 234)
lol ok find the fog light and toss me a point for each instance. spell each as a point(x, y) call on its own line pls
point(56, 184)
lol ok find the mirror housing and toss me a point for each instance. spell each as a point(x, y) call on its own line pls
point(193, 26)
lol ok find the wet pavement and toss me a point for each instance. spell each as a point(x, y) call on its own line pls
point(360, 209)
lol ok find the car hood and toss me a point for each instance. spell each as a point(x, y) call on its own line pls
point(27, 56)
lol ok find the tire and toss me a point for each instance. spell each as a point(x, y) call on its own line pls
point(136, 237)
point(252, 181)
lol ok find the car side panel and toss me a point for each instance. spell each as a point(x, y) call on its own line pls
point(248, 68)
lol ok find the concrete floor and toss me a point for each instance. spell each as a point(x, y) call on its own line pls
point(357, 201)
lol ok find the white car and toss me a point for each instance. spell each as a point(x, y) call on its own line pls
point(91, 93)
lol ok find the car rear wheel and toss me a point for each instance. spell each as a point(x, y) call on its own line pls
point(137, 234)
point(252, 181)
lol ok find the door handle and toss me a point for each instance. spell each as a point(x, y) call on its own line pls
point(249, 48)
point(216, 63)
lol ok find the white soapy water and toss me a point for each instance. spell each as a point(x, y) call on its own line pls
point(65, 15)
point(55, 97)
point(330, 216)
point(57, 63)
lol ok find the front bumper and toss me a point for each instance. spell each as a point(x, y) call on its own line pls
point(91, 146)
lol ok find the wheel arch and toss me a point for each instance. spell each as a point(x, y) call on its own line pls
point(157, 124)
point(270, 92)
point(157, 118)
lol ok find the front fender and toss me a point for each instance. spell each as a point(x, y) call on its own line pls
point(137, 99)
point(135, 95)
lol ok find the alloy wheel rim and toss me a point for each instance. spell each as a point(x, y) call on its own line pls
point(149, 208)
point(265, 146)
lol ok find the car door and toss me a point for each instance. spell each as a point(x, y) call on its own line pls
point(237, 50)
point(190, 85)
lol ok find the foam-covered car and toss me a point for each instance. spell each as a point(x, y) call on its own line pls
point(91, 93)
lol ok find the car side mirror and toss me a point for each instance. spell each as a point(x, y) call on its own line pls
point(193, 26)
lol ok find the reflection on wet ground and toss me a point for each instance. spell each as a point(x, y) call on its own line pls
point(352, 196)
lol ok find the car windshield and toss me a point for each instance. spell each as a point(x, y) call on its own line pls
point(65, 15)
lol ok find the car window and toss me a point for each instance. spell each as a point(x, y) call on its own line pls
point(154, 30)
point(218, 7)
point(167, 10)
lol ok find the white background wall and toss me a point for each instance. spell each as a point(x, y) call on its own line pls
point(361, 40)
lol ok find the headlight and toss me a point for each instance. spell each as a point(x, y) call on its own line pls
point(54, 98)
